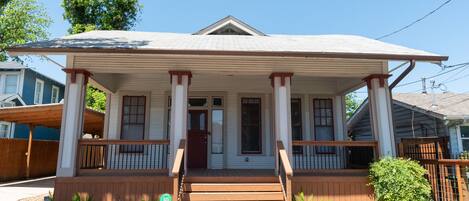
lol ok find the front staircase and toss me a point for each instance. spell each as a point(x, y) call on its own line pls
point(232, 188)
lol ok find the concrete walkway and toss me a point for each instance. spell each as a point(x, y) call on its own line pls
point(28, 190)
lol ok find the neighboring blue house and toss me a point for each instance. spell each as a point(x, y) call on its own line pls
point(20, 85)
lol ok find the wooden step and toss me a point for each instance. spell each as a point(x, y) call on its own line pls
point(210, 196)
point(221, 179)
point(232, 187)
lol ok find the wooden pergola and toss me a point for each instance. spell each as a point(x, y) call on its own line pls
point(48, 115)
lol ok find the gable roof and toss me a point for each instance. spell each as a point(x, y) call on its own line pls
point(227, 21)
point(18, 66)
point(452, 106)
point(321, 46)
point(11, 97)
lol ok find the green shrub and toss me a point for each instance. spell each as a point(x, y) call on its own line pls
point(399, 179)
point(301, 197)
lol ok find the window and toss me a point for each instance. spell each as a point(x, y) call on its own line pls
point(54, 98)
point(251, 131)
point(38, 91)
point(11, 84)
point(4, 130)
point(323, 123)
point(197, 102)
point(133, 122)
point(217, 131)
point(465, 137)
point(296, 124)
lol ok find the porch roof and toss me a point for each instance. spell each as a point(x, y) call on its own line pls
point(50, 115)
point(326, 46)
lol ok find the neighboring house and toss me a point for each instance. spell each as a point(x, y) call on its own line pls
point(19, 86)
point(224, 109)
point(422, 115)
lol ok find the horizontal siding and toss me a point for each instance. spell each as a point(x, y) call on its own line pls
point(324, 67)
point(424, 125)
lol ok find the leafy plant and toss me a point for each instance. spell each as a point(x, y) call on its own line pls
point(399, 179)
point(78, 197)
point(301, 197)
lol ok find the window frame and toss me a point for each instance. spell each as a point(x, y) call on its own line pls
point(260, 125)
point(297, 149)
point(9, 126)
point(41, 95)
point(4, 80)
point(314, 126)
point(52, 94)
point(140, 148)
point(461, 138)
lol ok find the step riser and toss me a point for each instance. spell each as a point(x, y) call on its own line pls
point(225, 187)
point(231, 179)
point(233, 196)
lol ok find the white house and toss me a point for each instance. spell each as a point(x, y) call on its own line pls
point(216, 114)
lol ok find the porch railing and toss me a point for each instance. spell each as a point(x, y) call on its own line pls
point(121, 156)
point(333, 155)
point(285, 171)
point(178, 171)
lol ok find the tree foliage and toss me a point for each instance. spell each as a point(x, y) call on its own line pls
point(21, 21)
point(95, 99)
point(399, 179)
point(87, 15)
point(351, 104)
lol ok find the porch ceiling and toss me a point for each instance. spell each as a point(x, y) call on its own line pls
point(229, 65)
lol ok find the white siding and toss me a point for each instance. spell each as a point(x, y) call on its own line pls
point(158, 87)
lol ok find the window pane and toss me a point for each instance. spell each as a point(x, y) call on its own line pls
point(4, 130)
point(55, 95)
point(296, 124)
point(465, 145)
point(323, 123)
point(11, 83)
point(197, 102)
point(217, 101)
point(133, 123)
point(217, 131)
point(251, 126)
point(464, 131)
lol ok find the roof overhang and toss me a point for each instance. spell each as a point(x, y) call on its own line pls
point(46, 51)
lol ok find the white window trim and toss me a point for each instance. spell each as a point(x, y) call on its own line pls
point(10, 128)
point(52, 92)
point(41, 95)
point(460, 138)
point(3, 79)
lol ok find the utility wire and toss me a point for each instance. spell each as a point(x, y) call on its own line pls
point(433, 76)
point(414, 22)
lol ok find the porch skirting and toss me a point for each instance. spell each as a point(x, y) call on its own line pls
point(136, 188)
point(344, 188)
point(113, 188)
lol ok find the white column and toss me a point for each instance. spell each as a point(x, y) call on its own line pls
point(72, 121)
point(282, 109)
point(180, 81)
point(381, 114)
point(340, 117)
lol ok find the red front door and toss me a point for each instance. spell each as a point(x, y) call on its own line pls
point(197, 139)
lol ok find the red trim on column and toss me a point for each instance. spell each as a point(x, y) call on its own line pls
point(180, 74)
point(74, 71)
point(381, 78)
point(282, 76)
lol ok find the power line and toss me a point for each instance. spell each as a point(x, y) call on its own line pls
point(433, 76)
point(414, 22)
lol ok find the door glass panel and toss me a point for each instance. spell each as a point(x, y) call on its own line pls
point(217, 131)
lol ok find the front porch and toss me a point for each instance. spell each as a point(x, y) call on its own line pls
point(266, 136)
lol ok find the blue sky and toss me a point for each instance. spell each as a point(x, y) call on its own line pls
point(446, 32)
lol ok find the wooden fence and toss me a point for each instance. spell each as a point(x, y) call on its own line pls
point(13, 158)
point(447, 177)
